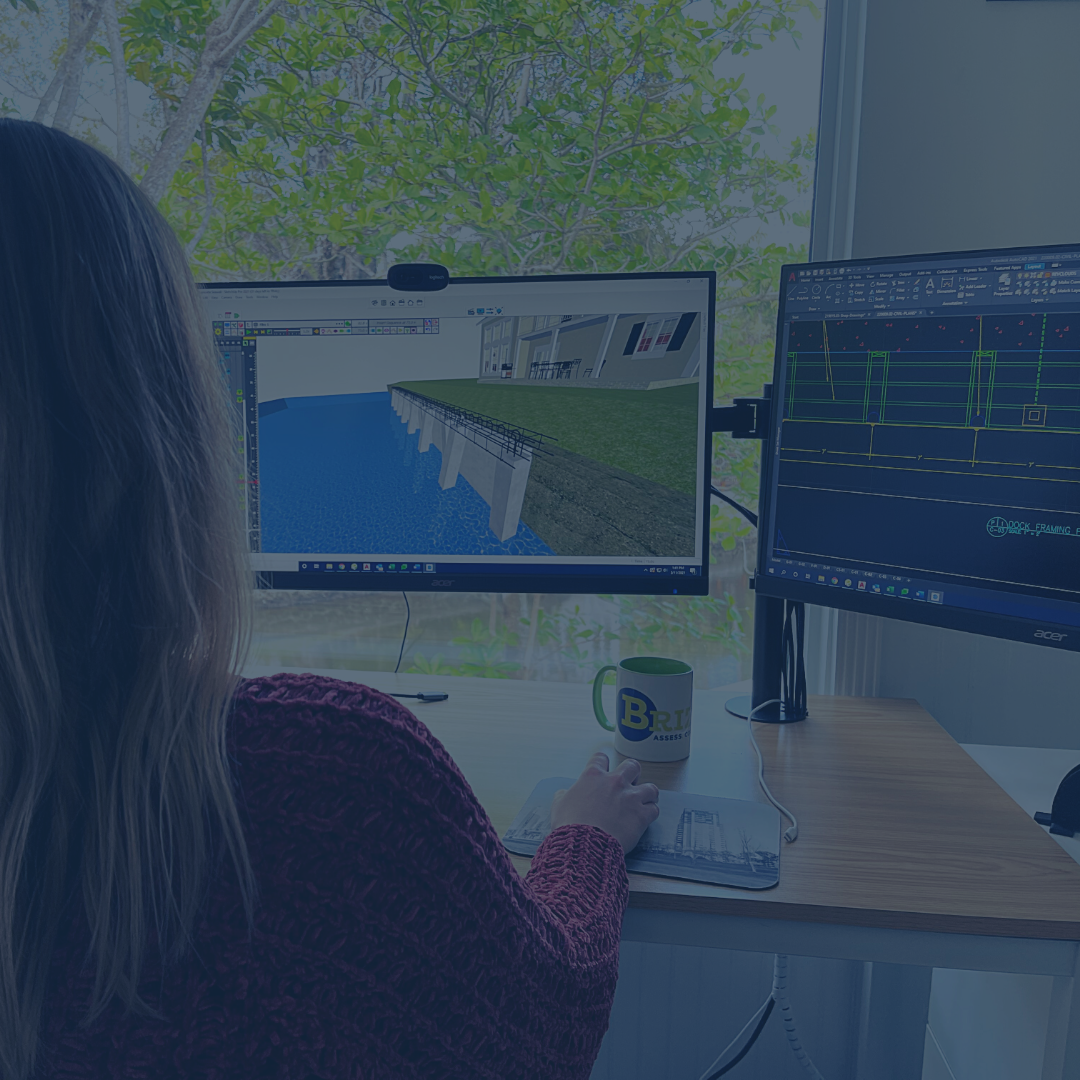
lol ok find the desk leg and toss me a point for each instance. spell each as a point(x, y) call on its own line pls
point(894, 1003)
point(1061, 1056)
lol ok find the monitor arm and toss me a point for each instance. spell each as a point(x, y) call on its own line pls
point(779, 670)
point(745, 417)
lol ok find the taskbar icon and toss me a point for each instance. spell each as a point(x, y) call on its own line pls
point(330, 566)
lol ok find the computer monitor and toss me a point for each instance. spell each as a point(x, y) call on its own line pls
point(540, 434)
point(923, 461)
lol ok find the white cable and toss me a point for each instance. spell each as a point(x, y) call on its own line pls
point(792, 834)
point(779, 995)
point(737, 1041)
point(779, 985)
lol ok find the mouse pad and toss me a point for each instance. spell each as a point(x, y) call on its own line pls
point(696, 837)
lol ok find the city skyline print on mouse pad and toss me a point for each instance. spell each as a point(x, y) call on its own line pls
point(696, 837)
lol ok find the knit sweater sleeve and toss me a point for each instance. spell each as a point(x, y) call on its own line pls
point(473, 971)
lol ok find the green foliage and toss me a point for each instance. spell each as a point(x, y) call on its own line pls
point(575, 640)
point(434, 666)
point(745, 349)
point(482, 654)
point(566, 641)
point(647, 622)
point(495, 137)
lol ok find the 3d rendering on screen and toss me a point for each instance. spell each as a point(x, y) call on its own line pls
point(523, 435)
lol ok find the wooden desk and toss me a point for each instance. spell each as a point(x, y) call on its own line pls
point(909, 856)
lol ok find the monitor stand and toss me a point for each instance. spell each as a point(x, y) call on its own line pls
point(778, 644)
point(741, 705)
point(779, 671)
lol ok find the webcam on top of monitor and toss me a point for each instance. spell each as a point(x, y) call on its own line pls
point(418, 277)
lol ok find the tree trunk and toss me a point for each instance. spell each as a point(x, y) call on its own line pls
point(225, 37)
point(119, 66)
point(83, 17)
point(46, 101)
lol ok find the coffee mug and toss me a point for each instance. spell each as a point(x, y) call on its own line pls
point(653, 699)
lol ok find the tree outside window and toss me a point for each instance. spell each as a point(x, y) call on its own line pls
point(328, 139)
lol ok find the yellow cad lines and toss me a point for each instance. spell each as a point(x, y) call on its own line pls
point(907, 401)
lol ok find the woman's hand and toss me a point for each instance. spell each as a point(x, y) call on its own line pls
point(611, 801)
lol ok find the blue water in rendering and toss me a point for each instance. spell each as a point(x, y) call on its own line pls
point(341, 474)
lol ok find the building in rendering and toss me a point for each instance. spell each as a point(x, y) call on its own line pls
point(635, 351)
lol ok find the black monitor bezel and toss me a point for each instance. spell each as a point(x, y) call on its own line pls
point(987, 624)
point(580, 583)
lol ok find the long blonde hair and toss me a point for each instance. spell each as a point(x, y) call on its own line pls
point(124, 600)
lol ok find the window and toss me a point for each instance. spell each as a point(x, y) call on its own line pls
point(666, 332)
point(648, 335)
point(702, 196)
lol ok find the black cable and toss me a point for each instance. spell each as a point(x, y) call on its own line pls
point(793, 667)
point(800, 659)
point(787, 662)
point(746, 1049)
point(408, 615)
point(748, 514)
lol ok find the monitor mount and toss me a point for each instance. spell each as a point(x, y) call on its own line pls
point(779, 671)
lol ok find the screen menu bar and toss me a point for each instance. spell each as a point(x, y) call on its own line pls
point(904, 290)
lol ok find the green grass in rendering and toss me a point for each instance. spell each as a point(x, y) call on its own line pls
point(651, 433)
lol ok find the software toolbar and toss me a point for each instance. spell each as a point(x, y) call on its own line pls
point(243, 329)
point(882, 291)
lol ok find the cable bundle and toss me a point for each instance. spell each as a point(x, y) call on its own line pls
point(779, 998)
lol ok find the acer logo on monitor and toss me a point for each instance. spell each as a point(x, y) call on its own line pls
point(1050, 635)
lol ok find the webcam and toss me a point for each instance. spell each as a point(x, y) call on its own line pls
point(418, 277)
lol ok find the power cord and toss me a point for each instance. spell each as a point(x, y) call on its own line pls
point(760, 1017)
point(431, 696)
point(748, 514)
point(405, 633)
point(792, 834)
point(777, 997)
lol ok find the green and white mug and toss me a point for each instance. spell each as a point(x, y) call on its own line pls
point(653, 702)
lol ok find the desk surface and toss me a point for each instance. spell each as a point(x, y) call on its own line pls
point(899, 828)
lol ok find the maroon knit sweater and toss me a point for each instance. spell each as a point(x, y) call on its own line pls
point(393, 936)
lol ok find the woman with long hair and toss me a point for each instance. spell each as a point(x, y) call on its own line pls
point(202, 875)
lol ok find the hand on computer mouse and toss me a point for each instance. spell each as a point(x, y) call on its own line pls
point(611, 801)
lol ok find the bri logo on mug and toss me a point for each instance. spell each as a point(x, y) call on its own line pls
point(638, 717)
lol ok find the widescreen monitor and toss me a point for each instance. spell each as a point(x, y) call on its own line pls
point(924, 457)
point(541, 434)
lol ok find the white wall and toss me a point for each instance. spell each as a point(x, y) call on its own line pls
point(983, 690)
point(969, 126)
point(964, 117)
point(988, 1025)
point(966, 137)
